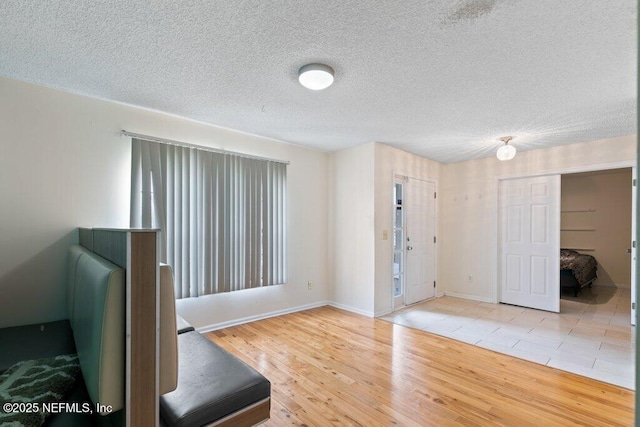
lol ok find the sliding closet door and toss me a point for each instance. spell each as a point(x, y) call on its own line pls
point(530, 242)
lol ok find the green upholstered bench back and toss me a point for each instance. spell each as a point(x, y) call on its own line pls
point(96, 304)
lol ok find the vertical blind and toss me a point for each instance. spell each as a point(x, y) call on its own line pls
point(221, 216)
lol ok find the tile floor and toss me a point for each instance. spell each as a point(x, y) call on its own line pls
point(591, 336)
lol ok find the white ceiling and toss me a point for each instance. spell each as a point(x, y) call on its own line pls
point(443, 79)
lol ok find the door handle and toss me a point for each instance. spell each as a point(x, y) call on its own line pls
point(409, 248)
point(628, 251)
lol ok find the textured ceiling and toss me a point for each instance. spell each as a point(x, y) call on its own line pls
point(443, 79)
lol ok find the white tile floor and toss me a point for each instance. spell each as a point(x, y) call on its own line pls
point(591, 336)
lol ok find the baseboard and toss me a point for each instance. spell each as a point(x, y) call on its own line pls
point(383, 312)
point(469, 297)
point(248, 319)
point(351, 309)
point(613, 285)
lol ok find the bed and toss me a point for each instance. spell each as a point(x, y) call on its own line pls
point(576, 270)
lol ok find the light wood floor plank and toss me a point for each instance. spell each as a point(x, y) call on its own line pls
point(332, 367)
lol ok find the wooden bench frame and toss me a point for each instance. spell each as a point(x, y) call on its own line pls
point(136, 250)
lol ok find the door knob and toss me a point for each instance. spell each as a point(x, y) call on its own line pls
point(409, 248)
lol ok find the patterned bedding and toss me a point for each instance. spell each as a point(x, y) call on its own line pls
point(581, 265)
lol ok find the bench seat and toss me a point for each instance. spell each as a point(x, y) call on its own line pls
point(212, 385)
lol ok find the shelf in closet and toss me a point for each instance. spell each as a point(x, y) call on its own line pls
point(579, 211)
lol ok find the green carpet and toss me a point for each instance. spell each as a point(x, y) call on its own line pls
point(28, 384)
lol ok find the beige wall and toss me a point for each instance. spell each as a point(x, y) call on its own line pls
point(390, 161)
point(468, 207)
point(63, 164)
point(352, 228)
point(362, 188)
point(607, 198)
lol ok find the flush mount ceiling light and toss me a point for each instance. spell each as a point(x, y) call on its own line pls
point(506, 152)
point(316, 76)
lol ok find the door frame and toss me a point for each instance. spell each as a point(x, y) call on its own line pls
point(634, 243)
point(560, 171)
point(395, 305)
point(397, 174)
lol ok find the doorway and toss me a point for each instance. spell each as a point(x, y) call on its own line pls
point(597, 212)
point(515, 271)
point(414, 240)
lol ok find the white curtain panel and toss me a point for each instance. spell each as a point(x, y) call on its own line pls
point(222, 216)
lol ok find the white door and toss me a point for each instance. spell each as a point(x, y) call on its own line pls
point(530, 242)
point(634, 249)
point(420, 215)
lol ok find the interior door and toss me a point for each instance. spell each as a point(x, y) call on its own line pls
point(530, 242)
point(420, 241)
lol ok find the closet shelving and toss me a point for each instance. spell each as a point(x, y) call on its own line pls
point(579, 229)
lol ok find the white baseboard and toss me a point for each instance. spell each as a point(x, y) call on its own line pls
point(383, 312)
point(469, 297)
point(248, 319)
point(351, 309)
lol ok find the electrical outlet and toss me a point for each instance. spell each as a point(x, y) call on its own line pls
point(309, 285)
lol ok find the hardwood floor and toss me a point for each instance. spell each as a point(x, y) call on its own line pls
point(332, 367)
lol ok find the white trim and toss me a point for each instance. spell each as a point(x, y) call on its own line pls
point(383, 312)
point(469, 297)
point(572, 169)
point(394, 180)
point(157, 325)
point(128, 319)
point(351, 309)
point(248, 319)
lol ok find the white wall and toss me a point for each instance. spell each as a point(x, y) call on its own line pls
point(63, 164)
point(390, 161)
point(352, 228)
point(468, 210)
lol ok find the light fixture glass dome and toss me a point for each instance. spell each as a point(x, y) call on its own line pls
point(506, 152)
point(316, 76)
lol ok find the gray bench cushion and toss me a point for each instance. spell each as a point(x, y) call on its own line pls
point(212, 384)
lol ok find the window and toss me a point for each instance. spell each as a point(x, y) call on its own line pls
point(221, 216)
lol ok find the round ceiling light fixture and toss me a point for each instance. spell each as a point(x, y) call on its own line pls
point(506, 152)
point(316, 76)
